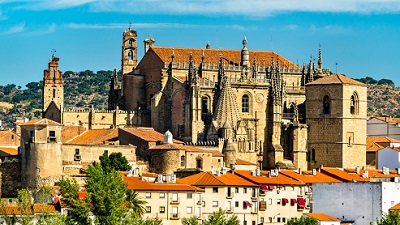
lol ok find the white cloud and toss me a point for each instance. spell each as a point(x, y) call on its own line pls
point(15, 29)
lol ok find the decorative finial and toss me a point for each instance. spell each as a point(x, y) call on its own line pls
point(53, 51)
point(244, 42)
point(208, 46)
point(202, 56)
point(173, 54)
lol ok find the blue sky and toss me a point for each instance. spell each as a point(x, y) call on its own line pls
point(361, 36)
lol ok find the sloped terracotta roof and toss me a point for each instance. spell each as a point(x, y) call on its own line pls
point(212, 56)
point(373, 146)
point(373, 173)
point(243, 162)
point(135, 183)
point(165, 146)
point(395, 207)
point(42, 122)
point(147, 134)
point(95, 137)
point(265, 179)
point(44, 208)
point(307, 177)
point(9, 150)
point(336, 79)
point(69, 132)
point(209, 179)
point(37, 208)
point(321, 216)
point(343, 175)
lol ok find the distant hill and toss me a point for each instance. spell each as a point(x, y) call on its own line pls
point(86, 88)
point(81, 90)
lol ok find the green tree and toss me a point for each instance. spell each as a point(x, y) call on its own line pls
point(135, 205)
point(392, 218)
point(25, 206)
point(43, 195)
point(106, 191)
point(79, 208)
point(221, 218)
point(303, 221)
point(190, 221)
point(116, 161)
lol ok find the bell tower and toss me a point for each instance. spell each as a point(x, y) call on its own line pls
point(53, 91)
point(129, 51)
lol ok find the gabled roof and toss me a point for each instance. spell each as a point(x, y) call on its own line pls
point(42, 122)
point(308, 178)
point(209, 179)
point(395, 207)
point(321, 217)
point(213, 55)
point(69, 132)
point(344, 176)
point(95, 137)
point(9, 138)
point(373, 173)
point(135, 183)
point(389, 120)
point(336, 79)
point(147, 134)
point(265, 179)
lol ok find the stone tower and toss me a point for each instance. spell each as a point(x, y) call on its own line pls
point(129, 51)
point(41, 153)
point(53, 91)
point(336, 110)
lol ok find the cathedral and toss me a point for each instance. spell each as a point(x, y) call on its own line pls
point(253, 105)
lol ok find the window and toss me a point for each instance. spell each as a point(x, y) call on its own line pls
point(244, 190)
point(130, 42)
point(313, 154)
point(174, 197)
point(148, 209)
point(215, 203)
point(175, 212)
point(54, 93)
point(326, 105)
point(283, 219)
point(354, 104)
point(52, 135)
point(199, 163)
point(245, 103)
point(253, 192)
point(270, 201)
point(77, 151)
point(189, 195)
point(236, 204)
point(204, 105)
point(189, 210)
point(278, 201)
point(130, 55)
point(148, 194)
point(236, 190)
point(182, 160)
point(162, 209)
point(162, 195)
point(215, 189)
point(278, 219)
point(53, 74)
point(106, 152)
point(229, 192)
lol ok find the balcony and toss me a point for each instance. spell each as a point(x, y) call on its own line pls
point(230, 196)
point(174, 216)
point(229, 210)
point(174, 201)
point(199, 201)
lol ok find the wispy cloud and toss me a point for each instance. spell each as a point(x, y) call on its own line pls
point(216, 7)
point(15, 29)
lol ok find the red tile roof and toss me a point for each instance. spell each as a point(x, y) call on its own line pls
point(395, 207)
point(167, 147)
point(69, 132)
point(336, 79)
point(265, 179)
point(95, 137)
point(9, 138)
point(9, 150)
point(209, 179)
point(37, 208)
point(41, 122)
point(147, 134)
point(263, 58)
point(135, 183)
point(308, 178)
point(344, 176)
point(321, 216)
point(243, 162)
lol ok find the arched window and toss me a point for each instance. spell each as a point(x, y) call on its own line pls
point(130, 55)
point(54, 93)
point(354, 104)
point(130, 42)
point(182, 161)
point(53, 74)
point(327, 105)
point(245, 103)
point(204, 105)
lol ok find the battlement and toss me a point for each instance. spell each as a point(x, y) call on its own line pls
point(69, 110)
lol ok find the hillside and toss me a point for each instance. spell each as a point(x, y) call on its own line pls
point(82, 90)
point(86, 88)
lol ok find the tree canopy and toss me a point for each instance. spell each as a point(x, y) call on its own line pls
point(392, 218)
point(302, 221)
point(116, 161)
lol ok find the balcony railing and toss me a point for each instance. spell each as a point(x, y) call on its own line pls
point(175, 200)
point(175, 216)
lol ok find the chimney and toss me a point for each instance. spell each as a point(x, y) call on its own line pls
point(398, 171)
point(357, 170)
point(314, 172)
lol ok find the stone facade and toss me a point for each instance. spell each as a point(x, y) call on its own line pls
point(10, 176)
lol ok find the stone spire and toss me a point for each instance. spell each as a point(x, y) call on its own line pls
point(245, 54)
point(192, 73)
point(319, 60)
point(221, 72)
point(227, 109)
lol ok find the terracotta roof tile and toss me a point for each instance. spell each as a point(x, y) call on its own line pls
point(37, 208)
point(69, 132)
point(321, 216)
point(308, 178)
point(95, 137)
point(147, 134)
point(344, 176)
point(395, 207)
point(135, 183)
point(167, 147)
point(209, 179)
point(336, 79)
point(212, 56)
point(265, 179)
point(41, 122)
point(44, 208)
point(9, 150)
point(243, 162)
